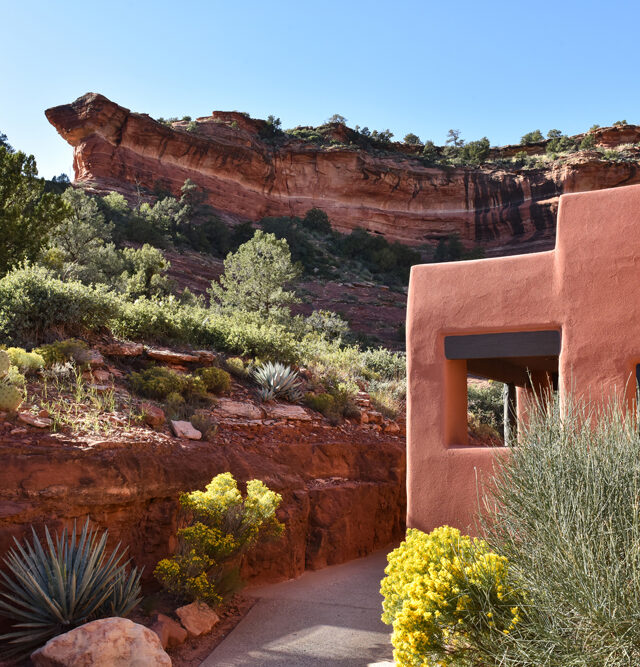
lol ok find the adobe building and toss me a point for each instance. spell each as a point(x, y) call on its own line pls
point(567, 318)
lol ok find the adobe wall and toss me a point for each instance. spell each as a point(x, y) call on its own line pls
point(587, 288)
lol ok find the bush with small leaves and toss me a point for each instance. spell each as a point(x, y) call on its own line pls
point(69, 581)
point(61, 351)
point(215, 380)
point(323, 403)
point(176, 406)
point(223, 527)
point(531, 138)
point(26, 362)
point(158, 382)
point(11, 395)
point(588, 142)
point(236, 367)
point(205, 423)
point(443, 594)
point(33, 302)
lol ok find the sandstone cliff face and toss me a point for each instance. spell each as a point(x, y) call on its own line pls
point(343, 493)
point(249, 178)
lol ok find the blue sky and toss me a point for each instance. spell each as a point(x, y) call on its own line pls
point(488, 67)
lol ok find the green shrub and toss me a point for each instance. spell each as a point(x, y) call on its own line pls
point(61, 351)
point(26, 362)
point(236, 367)
point(563, 508)
point(33, 303)
point(323, 403)
point(387, 396)
point(443, 594)
point(383, 364)
point(327, 323)
point(486, 404)
point(11, 388)
point(158, 382)
point(215, 380)
point(69, 581)
point(588, 142)
point(176, 406)
point(205, 423)
point(532, 137)
point(223, 527)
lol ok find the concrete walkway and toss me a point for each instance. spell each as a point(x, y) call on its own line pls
point(327, 618)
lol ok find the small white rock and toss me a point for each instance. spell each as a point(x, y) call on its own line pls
point(184, 429)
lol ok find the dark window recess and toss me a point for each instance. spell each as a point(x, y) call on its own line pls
point(527, 359)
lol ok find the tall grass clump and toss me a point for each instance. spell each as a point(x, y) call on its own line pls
point(565, 512)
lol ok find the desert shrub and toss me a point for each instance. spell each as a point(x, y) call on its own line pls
point(300, 242)
point(222, 526)
point(588, 142)
point(205, 423)
point(559, 143)
point(383, 364)
point(145, 273)
point(451, 249)
point(317, 220)
point(236, 367)
point(563, 508)
point(215, 380)
point(475, 152)
point(327, 323)
point(387, 396)
point(344, 394)
point(158, 382)
point(531, 137)
point(484, 432)
point(34, 303)
point(26, 362)
point(394, 260)
point(53, 588)
point(176, 406)
point(323, 403)
point(486, 404)
point(11, 384)
point(277, 381)
point(167, 320)
point(61, 351)
point(443, 594)
point(336, 402)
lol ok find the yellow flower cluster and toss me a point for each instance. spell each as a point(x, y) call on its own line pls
point(224, 526)
point(437, 587)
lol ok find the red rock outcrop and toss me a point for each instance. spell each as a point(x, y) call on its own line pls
point(249, 177)
point(343, 489)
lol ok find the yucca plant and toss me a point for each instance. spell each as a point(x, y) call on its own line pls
point(275, 380)
point(54, 588)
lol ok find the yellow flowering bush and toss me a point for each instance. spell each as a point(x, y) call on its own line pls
point(443, 591)
point(222, 527)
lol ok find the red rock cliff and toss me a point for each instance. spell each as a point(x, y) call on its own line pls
point(392, 194)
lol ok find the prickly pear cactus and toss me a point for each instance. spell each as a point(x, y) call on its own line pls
point(10, 397)
point(5, 362)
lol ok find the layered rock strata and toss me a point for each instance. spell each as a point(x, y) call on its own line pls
point(248, 177)
point(343, 492)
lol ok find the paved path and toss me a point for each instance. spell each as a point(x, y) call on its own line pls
point(327, 618)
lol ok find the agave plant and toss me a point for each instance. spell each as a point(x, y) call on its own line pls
point(68, 582)
point(276, 379)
